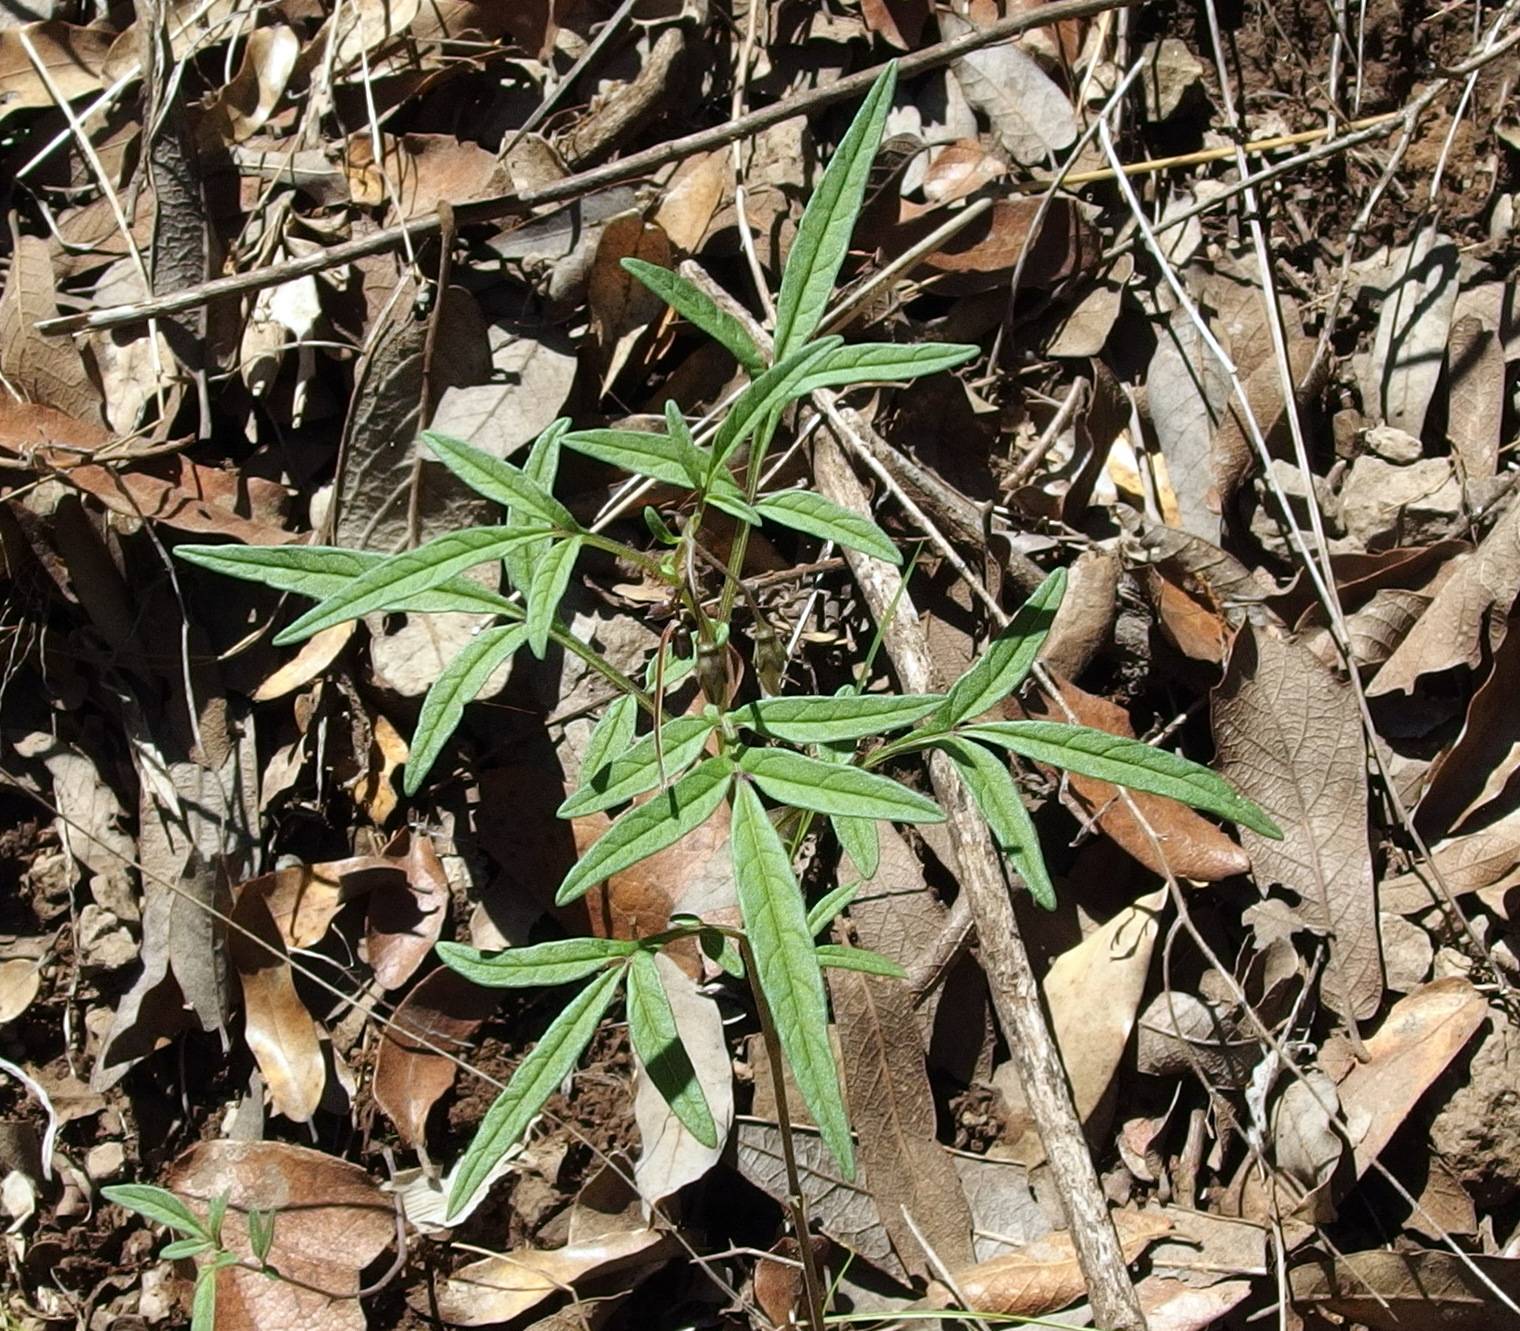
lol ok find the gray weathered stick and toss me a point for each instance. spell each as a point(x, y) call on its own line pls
point(1015, 991)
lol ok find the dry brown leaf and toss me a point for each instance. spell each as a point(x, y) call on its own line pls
point(1452, 631)
point(1044, 1277)
point(315, 655)
point(1486, 858)
point(33, 430)
point(1190, 845)
point(182, 505)
point(20, 979)
point(74, 58)
point(1475, 359)
point(361, 27)
point(692, 198)
point(1093, 993)
point(444, 1009)
point(45, 370)
point(1414, 323)
point(1174, 1305)
point(959, 169)
point(1290, 737)
point(332, 1223)
point(1031, 117)
point(893, 1114)
point(897, 22)
point(1411, 1291)
point(374, 788)
point(988, 249)
point(622, 307)
point(497, 1289)
point(406, 915)
point(276, 1023)
point(248, 100)
point(1423, 1032)
point(419, 169)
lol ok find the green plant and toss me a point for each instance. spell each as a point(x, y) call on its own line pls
point(200, 1237)
point(806, 754)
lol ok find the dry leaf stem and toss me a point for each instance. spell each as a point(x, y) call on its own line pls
point(585, 182)
point(1011, 978)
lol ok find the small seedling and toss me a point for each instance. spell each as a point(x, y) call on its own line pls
point(200, 1238)
point(778, 762)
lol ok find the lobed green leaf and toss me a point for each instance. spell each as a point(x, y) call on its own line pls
point(638, 769)
point(697, 307)
point(650, 827)
point(537, 1077)
point(501, 481)
point(394, 580)
point(823, 236)
point(1129, 763)
point(885, 362)
point(444, 705)
point(786, 967)
point(550, 577)
point(832, 956)
point(823, 787)
point(1010, 656)
point(809, 512)
point(657, 1042)
point(558, 962)
point(817, 719)
point(997, 795)
point(320, 571)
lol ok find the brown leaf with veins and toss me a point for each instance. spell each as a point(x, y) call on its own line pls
point(1190, 845)
point(1043, 1277)
point(444, 1009)
point(48, 370)
point(892, 1112)
point(1411, 1291)
point(276, 1023)
point(1290, 737)
point(406, 915)
point(332, 1222)
point(74, 57)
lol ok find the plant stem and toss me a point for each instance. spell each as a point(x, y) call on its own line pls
point(812, 1283)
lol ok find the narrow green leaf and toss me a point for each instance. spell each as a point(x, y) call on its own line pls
point(537, 1078)
point(696, 306)
point(181, 1248)
point(885, 362)
point(823, 787)
point(823, 236)
point(499, 480)
point(613, 734)
point(638, 451)
point(732, 503)
point(1008, 659)
point(203, 1302)
point(261, 1232)
point(817, 719)
point(997, 795)
point(320, 571)
point(694, 458)
point(550, 578)
point(650, 827)
point(859, 840)
point(460, 681)
point(397, 578)
point(1129, 763)
point(541, 468)
point(638, 770)
point(786, 967)
point(828, 906)
point(831, 956)
point(808, 511)
point(766, 395)
point(657, 1042)
point(157, 1204)
point(557, 962)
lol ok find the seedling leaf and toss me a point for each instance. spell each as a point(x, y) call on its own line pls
point(786, 967)
point(807, 783)
point(695, 305)
point(1008, 658)
point(559, 962)
point(997, 795)
point(537, 1077)
point(884, 362)
point(657, 1042)
point(817, 719)
point(833, 957)
point(159, 1205)
point(550, 578)
point(501, 481)
point(460, 681)
point(638, 770)
point(805, 511)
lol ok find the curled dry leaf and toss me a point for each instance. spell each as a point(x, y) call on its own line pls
point(333, 1222)
point(417, 170)
point(74, 57)
point(1290, 738)
point(444, 1010)
point(1185, 843)
point(406, 913)
point(1044, 1277)
point(248, 100)
point(1412, 1291)
point(277, 1025)
point(497, 1289)
point(1093, 993)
